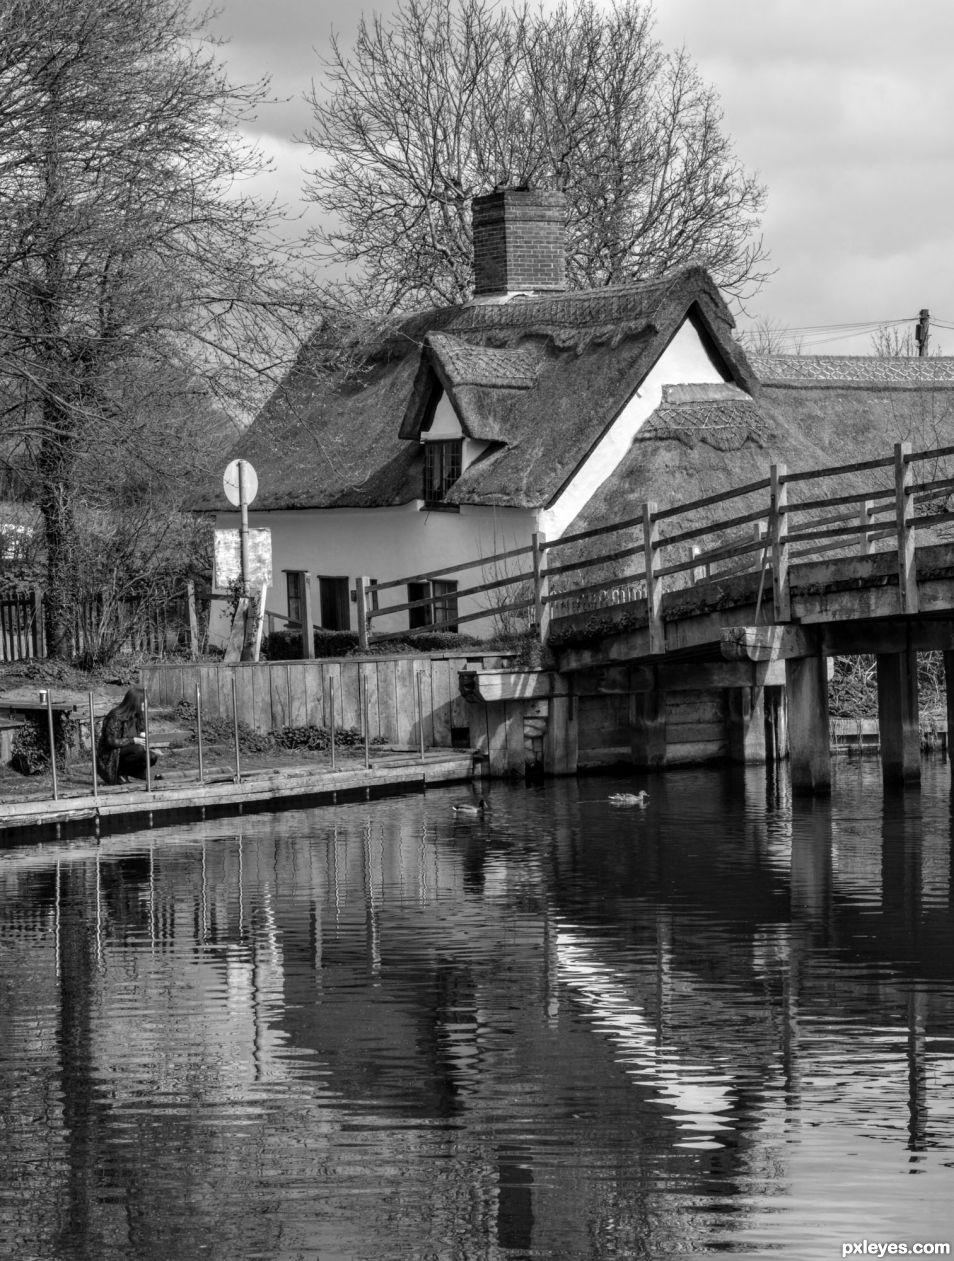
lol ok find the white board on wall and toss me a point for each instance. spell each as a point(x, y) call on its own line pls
point(227, 559)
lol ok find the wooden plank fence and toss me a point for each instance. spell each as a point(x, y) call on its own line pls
point(399, 695)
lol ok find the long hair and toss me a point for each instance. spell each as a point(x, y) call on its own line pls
point(131, 706)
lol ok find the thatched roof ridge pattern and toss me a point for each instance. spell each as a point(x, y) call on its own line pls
point(910, 372)
point(724, 420)
point(466, 364)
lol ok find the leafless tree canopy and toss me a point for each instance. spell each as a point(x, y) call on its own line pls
point(452, 99)
point(141, 295)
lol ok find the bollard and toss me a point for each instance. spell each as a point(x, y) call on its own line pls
point(235, 727)
point(331, 687)
point(145, 723)
point(92, 746)
point(198, 729)
point(49, 728)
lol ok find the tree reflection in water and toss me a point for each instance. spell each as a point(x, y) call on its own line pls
point(723, 1024)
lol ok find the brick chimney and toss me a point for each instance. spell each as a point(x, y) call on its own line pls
point(519, 242)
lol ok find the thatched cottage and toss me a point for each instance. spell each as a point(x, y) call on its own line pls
point(459, 432)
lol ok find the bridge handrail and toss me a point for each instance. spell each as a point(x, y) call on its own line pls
point(777, 538)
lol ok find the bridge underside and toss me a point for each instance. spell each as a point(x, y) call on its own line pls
point(719, 638)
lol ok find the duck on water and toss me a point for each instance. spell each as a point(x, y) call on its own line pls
point(629, 799)
point(478, 807)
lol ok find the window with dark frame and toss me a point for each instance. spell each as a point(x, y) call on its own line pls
point(296, 598)
point(443, 608)
point(442, 467)
point(334, 603)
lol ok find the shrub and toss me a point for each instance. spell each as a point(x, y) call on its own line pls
point(31, 748)
point(285, 645)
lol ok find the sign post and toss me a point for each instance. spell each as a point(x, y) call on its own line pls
point(240, 483)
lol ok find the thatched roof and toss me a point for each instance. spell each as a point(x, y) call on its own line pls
point(810, 412)
point(540, 379)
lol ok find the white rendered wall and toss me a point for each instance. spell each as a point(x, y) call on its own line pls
point(446, 425)
point(386, 543)
point(684, 360)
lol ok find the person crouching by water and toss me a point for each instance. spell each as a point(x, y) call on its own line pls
point(121, 748)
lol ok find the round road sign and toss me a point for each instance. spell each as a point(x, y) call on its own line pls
point(230, 482)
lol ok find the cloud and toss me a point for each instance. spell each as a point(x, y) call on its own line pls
point(842, 108)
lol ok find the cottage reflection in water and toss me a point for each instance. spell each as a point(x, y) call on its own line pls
point(723, 1023)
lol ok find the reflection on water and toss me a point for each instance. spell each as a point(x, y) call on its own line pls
point(724, 1023)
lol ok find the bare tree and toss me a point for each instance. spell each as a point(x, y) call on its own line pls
point(452, 98)
point(889, 342)
point(141, 292)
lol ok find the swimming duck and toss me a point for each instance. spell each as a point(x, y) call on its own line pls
point(630, 799)
point(471, 807)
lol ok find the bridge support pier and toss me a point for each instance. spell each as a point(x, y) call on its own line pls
point(745, 721)
point(647, 729)
point(806, 686)
point(898, 717)
point(949, 689)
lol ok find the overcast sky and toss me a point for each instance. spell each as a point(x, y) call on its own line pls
point(842, 107)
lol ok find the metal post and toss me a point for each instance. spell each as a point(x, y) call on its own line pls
point(420, 714)
point(198, 729)
point(243, 532)
point(145, 718)
point(92, 746)
point(235, 727)
point(331, 688)
point(49, 727)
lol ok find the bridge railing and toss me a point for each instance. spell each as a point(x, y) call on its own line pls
point(762, 526)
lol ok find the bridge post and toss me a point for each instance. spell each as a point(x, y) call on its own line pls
point(949, 690)
point(806, 687)
point(657, 633)
point(541, 585)
point(904, 509)
point(778, 530)
point(361, 585)
point(745, 720)
point(898, 716)
point(647, 727)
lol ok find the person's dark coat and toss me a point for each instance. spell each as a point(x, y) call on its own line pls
point(118, 752)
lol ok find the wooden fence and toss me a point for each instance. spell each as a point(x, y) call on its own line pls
point(871, 505)
point(392, 690)
point(21, 626)
point(168, 625)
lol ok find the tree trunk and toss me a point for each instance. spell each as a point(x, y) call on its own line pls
point(59, 521)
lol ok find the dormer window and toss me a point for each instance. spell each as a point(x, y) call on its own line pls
point(442, 467)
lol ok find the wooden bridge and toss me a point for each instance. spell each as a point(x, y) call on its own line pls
point(745, 593)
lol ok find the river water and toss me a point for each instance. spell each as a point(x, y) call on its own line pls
point(721, 1024)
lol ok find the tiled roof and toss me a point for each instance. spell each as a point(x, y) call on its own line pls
point(854, 370)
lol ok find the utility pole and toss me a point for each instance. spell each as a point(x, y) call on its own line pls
point(922, 331)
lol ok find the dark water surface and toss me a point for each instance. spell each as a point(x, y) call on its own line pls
point(721, 1024)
